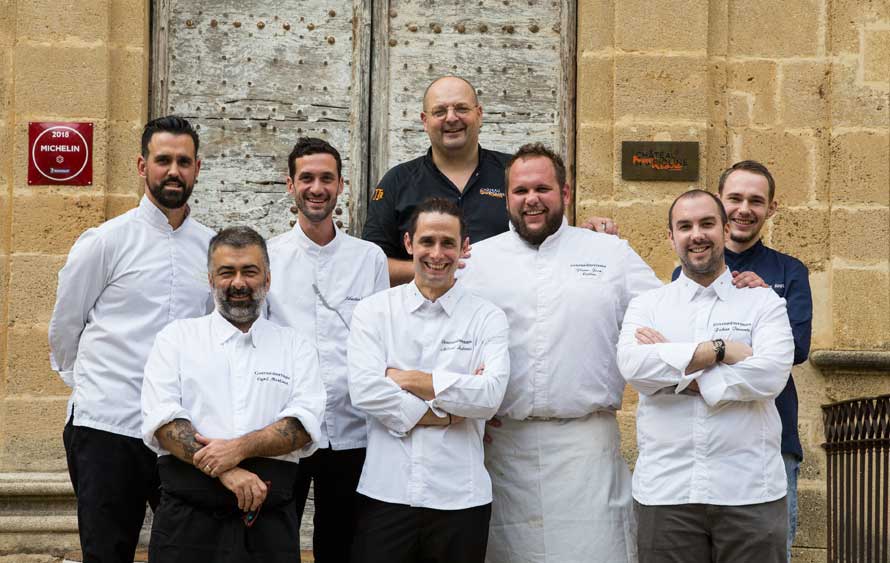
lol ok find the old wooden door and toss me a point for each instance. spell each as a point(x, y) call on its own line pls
point(254, 75)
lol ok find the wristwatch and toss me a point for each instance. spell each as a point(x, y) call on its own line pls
point(719, 349)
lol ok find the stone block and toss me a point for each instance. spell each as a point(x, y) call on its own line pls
point(752, 85)
point(804, 94)
point(595, 88)
point(763, 28)
point(6, 157)
point(661, 87)
point(596, 26)
point(627, 427)
point(79, 76)
point(51, 221)
point(808, 555)
point(811, 439)
point(860, 308)
point(129, 22)
point(788, 157)
point(811, 515)
point(59, 20)
point(31, 433)
point(7, 23)
point(124, 138)
point(859, 173)
point(586, 208)
point(595, 163)
point(850, 385)
point(28, 368)
point(32, 286)
point(4, 221)
point(6, 80)
point(118, 204)
point(128, 83)
point(804, 233)
point(674, 25)
point(876, 56)
point(718, 30)
point(861, 235)
point(852, 103)
point(820, 287)
point(847, 18)
point(644, 225)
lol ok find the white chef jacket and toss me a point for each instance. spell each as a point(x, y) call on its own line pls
point(123, 282)
point(431, 467)
point(565, 300)
point(722, 446)
point(229, 383)
point(314, 290)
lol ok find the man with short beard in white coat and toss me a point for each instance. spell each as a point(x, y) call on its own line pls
point(562, 491)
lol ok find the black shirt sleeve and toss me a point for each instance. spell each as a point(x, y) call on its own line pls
point(382, 224)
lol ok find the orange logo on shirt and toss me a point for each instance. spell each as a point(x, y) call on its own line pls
point(378, 195)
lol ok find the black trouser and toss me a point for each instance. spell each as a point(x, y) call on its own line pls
point(396, 533)
point(113, 477)
point(198, 519)
point(707, 533)
point(336, 474)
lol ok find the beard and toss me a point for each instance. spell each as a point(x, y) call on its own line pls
point(743, 239)
point(535, 238)
point(239, 312)
point(171, 199)
point(316, 215)
point(702, 269)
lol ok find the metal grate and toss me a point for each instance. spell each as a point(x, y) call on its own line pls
point(857, 445)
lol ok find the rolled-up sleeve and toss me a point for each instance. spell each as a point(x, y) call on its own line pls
point(762, 375)
point(161, 387)
point(369, 388)
point(308, 397)
point(478, 396)
point(81, 282)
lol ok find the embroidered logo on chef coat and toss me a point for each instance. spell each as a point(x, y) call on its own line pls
point(589, 270)
point(725, 329)
point(272, 376)
point(378, 195)
point(456, 344)
point(492, 192)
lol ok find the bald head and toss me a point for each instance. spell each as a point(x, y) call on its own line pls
point(451, 84)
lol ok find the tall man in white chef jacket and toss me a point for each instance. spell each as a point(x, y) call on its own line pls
point(123, 282)
point(319, 274)
point(230, 402)
point(561, 487)
point(708, 360)
point(428, 363)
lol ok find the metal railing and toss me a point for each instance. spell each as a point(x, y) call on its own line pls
point(857, 446)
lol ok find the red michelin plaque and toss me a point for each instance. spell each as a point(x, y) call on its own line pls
point(60, 153)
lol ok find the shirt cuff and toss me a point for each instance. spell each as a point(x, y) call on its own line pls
point(712, 386)
point(158, 418)
point(310, 424)
point(442, 380)
point(412, 410)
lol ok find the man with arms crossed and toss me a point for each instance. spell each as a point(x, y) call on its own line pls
point(708, 360)
point(561, 487)
point(230, 401)
point(455, 167)
point(123, 282)
point(747, 190)
point(428, 362)
point(319, 275)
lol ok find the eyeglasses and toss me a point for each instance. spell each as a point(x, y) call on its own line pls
point(460, 110)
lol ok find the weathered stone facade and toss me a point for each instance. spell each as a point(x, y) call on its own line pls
point(803, 85)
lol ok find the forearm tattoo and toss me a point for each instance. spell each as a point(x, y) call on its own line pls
point(292, 430)
point(181, 432)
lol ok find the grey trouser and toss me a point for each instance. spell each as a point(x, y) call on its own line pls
point(706, 533)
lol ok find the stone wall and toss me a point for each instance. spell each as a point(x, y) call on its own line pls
point(60, 60)
point(801, 85)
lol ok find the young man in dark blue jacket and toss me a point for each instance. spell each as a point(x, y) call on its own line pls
point(747, 190)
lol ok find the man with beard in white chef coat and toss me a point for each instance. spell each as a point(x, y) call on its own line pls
point(562, 491)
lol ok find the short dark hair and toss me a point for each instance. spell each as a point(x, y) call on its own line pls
point(696, 193)
point(461, 78)
point(532, 150)
point(312, 145)
point(750, 166)
point(436, 205)
point(168, 124)
point(237, 237)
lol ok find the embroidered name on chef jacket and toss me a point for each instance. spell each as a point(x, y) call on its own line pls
point(589, 270)
point(456, 344)
point(272, 376)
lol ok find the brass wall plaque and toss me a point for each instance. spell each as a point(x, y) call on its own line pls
point(665, 161)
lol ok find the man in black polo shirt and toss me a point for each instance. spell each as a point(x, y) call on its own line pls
point(455, 168)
